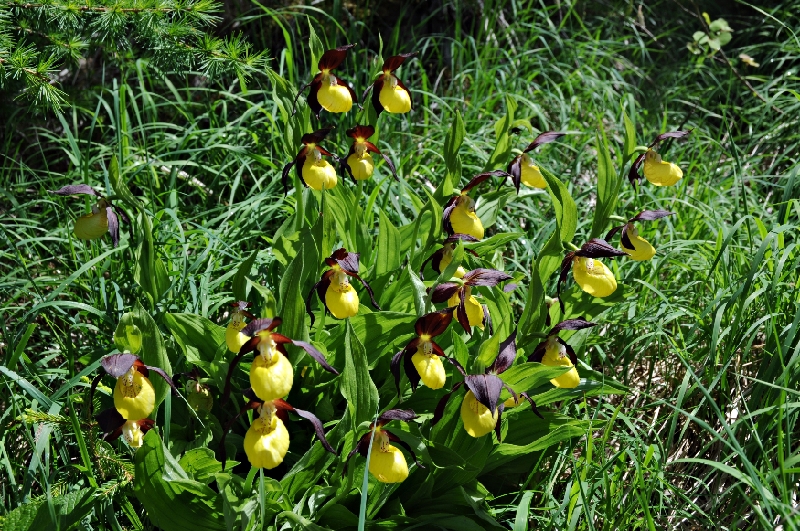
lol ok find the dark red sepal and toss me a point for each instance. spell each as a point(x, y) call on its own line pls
point(331, 59)
point(394, 62)
point(485, 277)
point(478, 179)
point(75, 189)
point(506, 355)
point(543, 138)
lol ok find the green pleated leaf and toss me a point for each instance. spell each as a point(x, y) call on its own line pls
point(357, 386)
point(198, 337)
point(173, 501)
point(388, 258)
point(608, 185)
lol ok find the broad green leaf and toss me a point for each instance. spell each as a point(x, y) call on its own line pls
point(292, 309)
point(173, 501)
point(356, 384)
point(526, 376)
point(501, 154)
point(452, 143)
point(629, 144)
point(239, 284)
point(388, 258)
point(145, 270)
point(497, 241)
point(120, 187)
point(563, 204)
point(418, 291)
point(490, 204)
point(315, 45)
point(198, 337)
point(608, 185)
point(382, 331)
point(200, 464)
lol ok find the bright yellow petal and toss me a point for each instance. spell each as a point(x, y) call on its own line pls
point(394, 99)
point(465, 221)
point(361, 166)
point(266, 442)
point(642, 250)
point(91, 226)
point(659, 172)
point(430, 369)
point(341, 303)
point(271, 379)
point(530, 174)
point(478, 419)
point(387, 464)
point(555, 355)
point(319, 174)
point(234, 338)
point(593, 277)
point(134, 398)
point(334, 98)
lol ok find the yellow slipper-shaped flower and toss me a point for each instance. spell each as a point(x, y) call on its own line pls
point(659, 172)
point(430, 368)
point(134, 395)
point(642, 249)
point(334, 97)
point(319, 173)
point(271, 374)
point(92, 226)
point(555, 355)
point(267, 440)
point(478, 419)
point(464, 220)
point(593, 277)
point(361, 166)
point(386, 462)
point(530, 174)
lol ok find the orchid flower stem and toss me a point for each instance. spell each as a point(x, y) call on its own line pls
point(572, 246)
point(613, 217)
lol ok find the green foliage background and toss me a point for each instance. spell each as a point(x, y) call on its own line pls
point(703, 338)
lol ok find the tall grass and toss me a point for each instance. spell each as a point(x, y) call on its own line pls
point(706, 438)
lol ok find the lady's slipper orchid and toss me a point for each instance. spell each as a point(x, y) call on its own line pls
point(469, 311)
point(522, 168)
point(134, 395)
point(459, 215)
point(113, 425)
point(555, 352)
point(442, 257)
point(421, 356)
point(358, 163)
point(328, 91)
point(267, 440)
point(637, 247)
point(591, 274)
point(388, 92)
point(386, 462)
point(234, 337)
point(657, 171)
point(103, 217)
point(311, 168)
point(334, 288)
point(482, 410)
point(271, 374)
